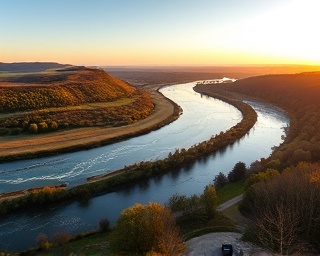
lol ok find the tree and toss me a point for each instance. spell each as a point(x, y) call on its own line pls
point(43, 241)
point(285, 210)
point(61, 238)
point(220, 180)
point(210, 200)
point(146, 229)
point(238, 172)
point(54, 125)
point(43, 126)
point(104, 224)
point(261, 176)
point(33, 128)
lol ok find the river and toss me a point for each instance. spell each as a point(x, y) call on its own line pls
point(202, 117)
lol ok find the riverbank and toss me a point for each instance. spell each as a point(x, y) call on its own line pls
point(140, 171)
point(23, 147)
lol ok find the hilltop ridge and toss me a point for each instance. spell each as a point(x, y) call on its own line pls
point(29, 66)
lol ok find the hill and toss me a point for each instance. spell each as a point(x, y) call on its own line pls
point(29, 66)
point(68, 97)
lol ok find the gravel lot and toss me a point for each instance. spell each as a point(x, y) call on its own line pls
point(210, 245)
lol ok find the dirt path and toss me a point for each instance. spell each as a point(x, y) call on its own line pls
point(72, 140)
point(229, 203)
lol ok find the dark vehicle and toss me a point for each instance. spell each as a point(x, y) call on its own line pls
point(227, 249)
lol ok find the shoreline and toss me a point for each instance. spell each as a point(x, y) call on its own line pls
point(27, 147)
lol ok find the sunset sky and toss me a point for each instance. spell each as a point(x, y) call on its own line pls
point(160, 32)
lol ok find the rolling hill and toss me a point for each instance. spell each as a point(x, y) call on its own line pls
point(67, 97)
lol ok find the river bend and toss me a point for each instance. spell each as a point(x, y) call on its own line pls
point(202, 117)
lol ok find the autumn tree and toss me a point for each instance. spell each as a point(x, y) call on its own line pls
point(285, 210)
point(209, 198)
point(261, 176)
point(43, 126)
point(146, 229)
point(43, 241)
point(33, 128)
point(61, 238)
point(54, 125)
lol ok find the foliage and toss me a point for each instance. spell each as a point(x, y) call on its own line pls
point(299, 96)
point(261, 176)
point(285, 210)
point(238, 172)
point(146, 229)
point(220, 180)
point(204, 204)
point(104, 224)
point(61, 238)
point(209, 198)
point(43, 241)
point(33, 128)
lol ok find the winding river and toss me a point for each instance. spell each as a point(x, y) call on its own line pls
point(202, 117)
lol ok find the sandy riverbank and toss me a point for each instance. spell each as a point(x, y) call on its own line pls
point(20, 147)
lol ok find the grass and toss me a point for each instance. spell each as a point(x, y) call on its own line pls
point(234, 214)
point(93, 244)
point(229, 191)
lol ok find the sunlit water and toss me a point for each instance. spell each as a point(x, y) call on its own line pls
point(202, 118)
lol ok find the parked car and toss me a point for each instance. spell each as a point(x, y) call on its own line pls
point(227, 249)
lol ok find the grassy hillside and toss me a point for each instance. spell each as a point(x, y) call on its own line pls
point(60, 89)
point(67, 98)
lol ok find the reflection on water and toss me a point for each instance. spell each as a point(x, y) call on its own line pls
point(18, 231)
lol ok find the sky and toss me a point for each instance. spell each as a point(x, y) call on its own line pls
point(160, 32)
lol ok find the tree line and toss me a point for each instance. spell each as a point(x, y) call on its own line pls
point(282, 199)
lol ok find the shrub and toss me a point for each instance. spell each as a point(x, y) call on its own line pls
point(61, 238)
point(33, 128)
point(104, 224)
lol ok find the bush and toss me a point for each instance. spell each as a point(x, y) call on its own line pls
point(43, 127)
point(61, 238)
point(43, 241)
point(33, 128)
point(54, 125)
point(104, 224)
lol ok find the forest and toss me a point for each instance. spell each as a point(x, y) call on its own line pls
point(284, 208)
